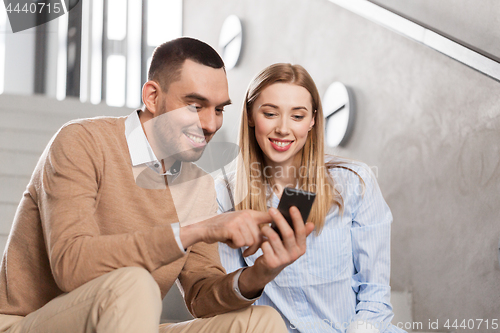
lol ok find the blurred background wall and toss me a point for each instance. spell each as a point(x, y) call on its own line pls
point(428, 124)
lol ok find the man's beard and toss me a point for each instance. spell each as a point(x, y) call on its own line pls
point(189, 155)
point(166, 147)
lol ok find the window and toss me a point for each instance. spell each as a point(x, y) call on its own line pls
point(100, 50)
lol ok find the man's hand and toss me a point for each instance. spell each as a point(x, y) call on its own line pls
point(236, 229)
point(277, 254)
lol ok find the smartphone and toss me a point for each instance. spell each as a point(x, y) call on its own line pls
point(303, 200)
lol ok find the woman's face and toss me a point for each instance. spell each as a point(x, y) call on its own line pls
point(282, 116)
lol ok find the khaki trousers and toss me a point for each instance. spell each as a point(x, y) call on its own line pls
point(128, 300)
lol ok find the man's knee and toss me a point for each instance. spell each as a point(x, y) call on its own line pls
point(132, 273)
point(253, 319)
point(133, 282)
point(266, 319)
point(266, 313)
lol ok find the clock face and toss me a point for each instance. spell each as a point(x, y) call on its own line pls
point(230, 41)
point(338, 112)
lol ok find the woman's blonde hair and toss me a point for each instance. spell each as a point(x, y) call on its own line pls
point(313, 175)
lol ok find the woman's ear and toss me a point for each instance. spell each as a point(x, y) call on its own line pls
point(150, 94)
point(251, 123)
point(313, 120)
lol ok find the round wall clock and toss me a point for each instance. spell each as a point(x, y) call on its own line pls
point(231, 40)
point(338, 110)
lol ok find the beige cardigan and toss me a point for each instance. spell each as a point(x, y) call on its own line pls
point(83, 215)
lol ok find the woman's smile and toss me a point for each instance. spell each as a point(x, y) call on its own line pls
point(280, 145)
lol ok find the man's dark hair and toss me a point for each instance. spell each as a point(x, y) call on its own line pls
point(168, 58)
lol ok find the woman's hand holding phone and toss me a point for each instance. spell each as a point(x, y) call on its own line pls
point(281, 252)
point(277, 253)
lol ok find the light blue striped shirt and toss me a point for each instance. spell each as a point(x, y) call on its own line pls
point(344, 275)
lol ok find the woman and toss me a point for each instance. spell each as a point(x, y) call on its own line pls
point(342, 282)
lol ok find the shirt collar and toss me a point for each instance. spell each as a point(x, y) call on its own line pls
point(140, 151)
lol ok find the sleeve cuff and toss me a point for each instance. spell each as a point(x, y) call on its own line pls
point(236, 287)
point(176, 229)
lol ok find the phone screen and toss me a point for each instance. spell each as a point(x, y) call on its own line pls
point(303, 200)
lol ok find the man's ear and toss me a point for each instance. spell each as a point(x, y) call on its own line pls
point(150, 94)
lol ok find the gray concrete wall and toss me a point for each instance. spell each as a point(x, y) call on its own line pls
point(428, 123)
point(476, 23)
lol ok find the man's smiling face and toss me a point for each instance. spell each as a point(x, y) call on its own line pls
point(189, 113)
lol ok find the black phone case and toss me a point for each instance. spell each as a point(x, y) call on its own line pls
point(303, 200)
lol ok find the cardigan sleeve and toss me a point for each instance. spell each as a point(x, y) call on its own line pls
point(208, 290)
point(67, 194)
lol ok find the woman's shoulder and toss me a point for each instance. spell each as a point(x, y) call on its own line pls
point(351, 178)
point(348, 168)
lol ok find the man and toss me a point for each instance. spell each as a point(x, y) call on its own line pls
point(93, 251)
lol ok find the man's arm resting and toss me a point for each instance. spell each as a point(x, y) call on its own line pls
point(208, 290)
point(252, 281)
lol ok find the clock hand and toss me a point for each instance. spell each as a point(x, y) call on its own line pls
point(334, 112)
point(229, 42)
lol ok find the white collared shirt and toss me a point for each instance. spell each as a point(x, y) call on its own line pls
point(142, 156)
